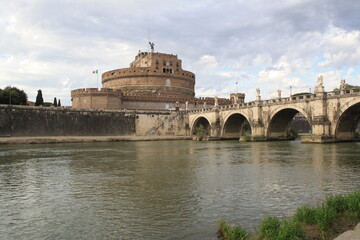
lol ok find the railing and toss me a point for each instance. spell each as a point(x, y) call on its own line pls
point(287, 100)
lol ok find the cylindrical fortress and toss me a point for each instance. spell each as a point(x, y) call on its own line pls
point(152, 74)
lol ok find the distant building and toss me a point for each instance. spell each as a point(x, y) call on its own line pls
point(153, 81)
point(30, 103)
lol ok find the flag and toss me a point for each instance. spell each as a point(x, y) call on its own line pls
point(95, 72)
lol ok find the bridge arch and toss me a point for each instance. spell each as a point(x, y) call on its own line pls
point(201, 121)
point(235, 125)
point(279, 125)
point(348, 122)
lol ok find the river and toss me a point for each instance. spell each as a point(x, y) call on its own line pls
point(165, 189)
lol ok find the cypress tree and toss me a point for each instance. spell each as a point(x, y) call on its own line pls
point(39, 99)
point(59, 103)
point(55, 102)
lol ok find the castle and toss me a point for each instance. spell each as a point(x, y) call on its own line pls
point(154, 81)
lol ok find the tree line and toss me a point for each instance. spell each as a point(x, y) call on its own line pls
point(14, 96)
point(40, 101)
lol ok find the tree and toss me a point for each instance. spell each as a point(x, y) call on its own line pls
point(59, 103)
point(55, 102)
point(39, 99)
point(13, 95)
point(348, 86)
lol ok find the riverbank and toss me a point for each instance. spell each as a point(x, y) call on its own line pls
point(80, 139)
point(334, 219)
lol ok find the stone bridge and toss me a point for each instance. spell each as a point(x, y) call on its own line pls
point(332, 116)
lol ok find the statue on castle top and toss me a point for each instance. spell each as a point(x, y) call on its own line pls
point(258, 91)
point(342, 84)
point(320, 80)
point(152, 46)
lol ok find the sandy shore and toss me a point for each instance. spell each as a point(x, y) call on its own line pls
point(79, 139)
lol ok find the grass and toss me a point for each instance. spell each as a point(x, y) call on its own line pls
point(335, 215)
point(227, 231)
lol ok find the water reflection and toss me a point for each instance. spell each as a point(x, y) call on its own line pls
point(163, 190)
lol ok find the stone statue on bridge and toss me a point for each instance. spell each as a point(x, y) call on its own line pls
point(279, 93)
point(258, 98)
point(320, 80)
point(342, 84)
point(319, 89)
point(216, 104)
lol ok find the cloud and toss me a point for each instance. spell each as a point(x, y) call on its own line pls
point(54, 45)
point(341, 48)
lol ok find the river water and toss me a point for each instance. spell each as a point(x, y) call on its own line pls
point(163, 190)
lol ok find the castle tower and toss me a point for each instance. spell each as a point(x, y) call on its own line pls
point(156, 74)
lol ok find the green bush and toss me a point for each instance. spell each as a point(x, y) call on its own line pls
point(232, 232)
point(352, 202)
point(306, 214)
point(269, 227)
point(289, 229)
point(326, 217)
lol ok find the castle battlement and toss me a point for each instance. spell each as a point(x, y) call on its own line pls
point(106, 91)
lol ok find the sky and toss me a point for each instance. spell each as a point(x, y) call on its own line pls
point(230, 45)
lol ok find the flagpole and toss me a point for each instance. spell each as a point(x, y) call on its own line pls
point(97, 79)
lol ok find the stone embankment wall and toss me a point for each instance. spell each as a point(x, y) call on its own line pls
point(24, 121)
point(161, 123)
point(18, 121)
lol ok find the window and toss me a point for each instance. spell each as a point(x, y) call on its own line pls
point(167, 70)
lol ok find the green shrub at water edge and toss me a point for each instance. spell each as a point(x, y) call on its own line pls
point(335, 210)
point(306, 214)
point(246, 137)
point(229, 232)
point(289, 229)
point(336, 202)
point(273, 229)
point(269, 227)
point(353, 206)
